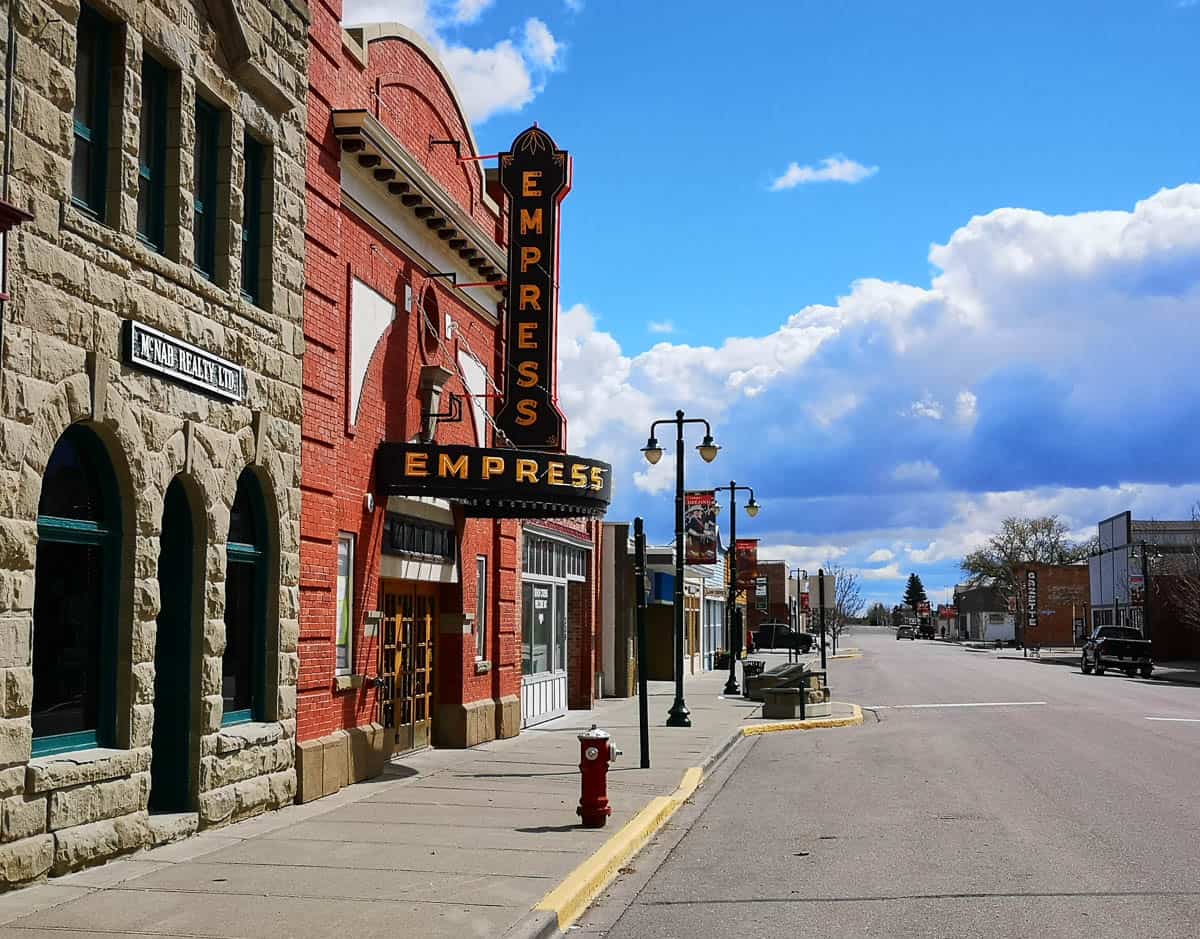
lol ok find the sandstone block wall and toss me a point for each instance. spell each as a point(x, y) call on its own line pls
point(74, 280)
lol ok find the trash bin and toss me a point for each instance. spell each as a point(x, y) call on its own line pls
point(750, 668)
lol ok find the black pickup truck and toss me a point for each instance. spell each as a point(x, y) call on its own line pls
point(1116, 647)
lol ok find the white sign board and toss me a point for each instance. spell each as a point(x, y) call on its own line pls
point(830, 591)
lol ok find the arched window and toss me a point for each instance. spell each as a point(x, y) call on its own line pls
point(244, 664)
point(75, 598)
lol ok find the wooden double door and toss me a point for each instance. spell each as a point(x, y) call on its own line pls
point(410, 615)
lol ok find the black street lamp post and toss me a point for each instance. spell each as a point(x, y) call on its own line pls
point(679, 716)
point(734, 633)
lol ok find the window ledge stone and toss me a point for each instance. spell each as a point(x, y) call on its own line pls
point(347, 682)
point(250, 734)
point(78, 767)
point(482, 667)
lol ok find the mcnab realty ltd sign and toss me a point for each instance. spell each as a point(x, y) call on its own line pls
point(154, 351)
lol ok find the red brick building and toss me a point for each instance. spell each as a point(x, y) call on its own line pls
point(412, 600)
point(1063, 595)
point(776, 609)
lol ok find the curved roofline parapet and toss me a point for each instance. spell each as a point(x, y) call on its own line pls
point(363, 34)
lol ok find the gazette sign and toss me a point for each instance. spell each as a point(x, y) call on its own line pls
point(536, 176)
point(496, 483)
point(1031, 599)
point(147, 348)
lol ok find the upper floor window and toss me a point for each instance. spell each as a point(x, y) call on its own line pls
point(93, 63)
point(152, 154)
point(208, 131)
point(253, 247)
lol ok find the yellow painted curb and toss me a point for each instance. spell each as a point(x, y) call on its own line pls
point(575, 894)
point(847, 655)
point(814, 723)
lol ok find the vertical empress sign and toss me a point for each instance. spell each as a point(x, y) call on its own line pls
point(536, 176)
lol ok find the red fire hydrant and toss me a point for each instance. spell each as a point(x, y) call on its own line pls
point(596, 751)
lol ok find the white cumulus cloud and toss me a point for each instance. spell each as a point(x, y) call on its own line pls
point(660, 326)
point(468, 11)
point(916, 471)
point(880, 556)
point(834, 169)
point(812, 412)
point(540, 45)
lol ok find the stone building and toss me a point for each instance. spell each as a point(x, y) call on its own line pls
point(149, 423)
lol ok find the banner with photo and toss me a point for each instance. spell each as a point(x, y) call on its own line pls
point(747, 562)
point(700, 527)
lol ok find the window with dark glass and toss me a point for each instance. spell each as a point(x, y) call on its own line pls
point(208, 130)
point(152, 154)
point(252, 219)
point(244, 662)
point(93, 61)
point(481, 602)
point(74, 605)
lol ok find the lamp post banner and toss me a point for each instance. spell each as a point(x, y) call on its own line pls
point(747, 562)
point(700, 527)
point(536, 176)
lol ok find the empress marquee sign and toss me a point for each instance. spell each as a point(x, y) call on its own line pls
point(534, 477)
point(494, 482)
point(536, 176)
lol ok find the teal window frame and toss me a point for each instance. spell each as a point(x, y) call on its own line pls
point(254, 162)
point(204, 201)
point(106, 536)
point(94, 28)
point(152, 155)
point(255, 556)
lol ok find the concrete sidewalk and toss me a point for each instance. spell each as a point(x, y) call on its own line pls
point(1182, 672)
point(447, 843)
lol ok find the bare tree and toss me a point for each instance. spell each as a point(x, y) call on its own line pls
point(1044, 540)
point(848, 600)
point(1181, 583)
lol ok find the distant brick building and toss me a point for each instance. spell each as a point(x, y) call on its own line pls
point(777, 608)
point(1063, 596)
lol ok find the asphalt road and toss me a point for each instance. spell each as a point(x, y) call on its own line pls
point(1077, 816)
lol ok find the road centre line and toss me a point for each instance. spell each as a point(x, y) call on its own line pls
point(971, 704)
point(1180, 720)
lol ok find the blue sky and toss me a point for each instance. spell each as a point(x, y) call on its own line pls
point(900, 355)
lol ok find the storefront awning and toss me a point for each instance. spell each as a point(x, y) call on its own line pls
point(490, 482)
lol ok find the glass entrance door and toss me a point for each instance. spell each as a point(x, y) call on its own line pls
point(543, 651)
point(406, 663)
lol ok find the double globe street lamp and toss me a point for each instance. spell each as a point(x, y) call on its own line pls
point(731, 611)
point(679, 716)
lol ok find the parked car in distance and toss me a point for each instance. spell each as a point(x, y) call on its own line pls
point(781, 636)
point(906, 632)
point(1117, 647)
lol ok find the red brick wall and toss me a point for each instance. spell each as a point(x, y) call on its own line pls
point(777, 606)
point(338, 459)
point(1059, 586)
